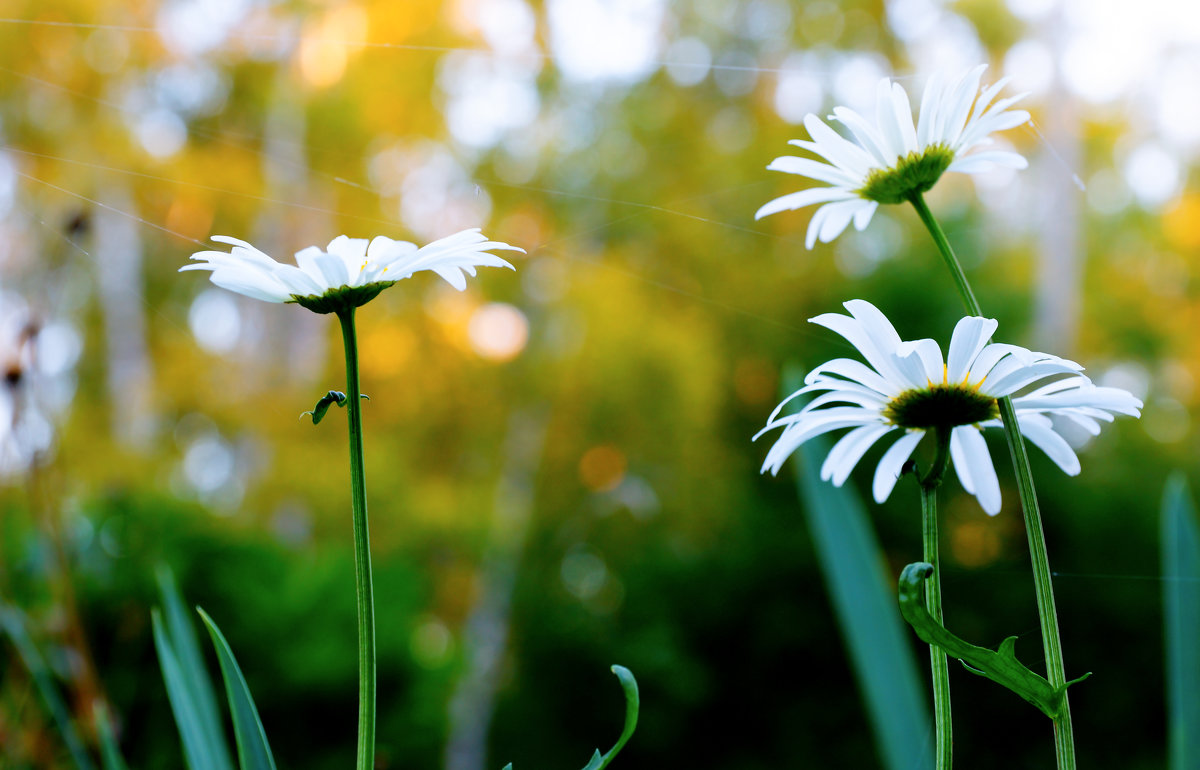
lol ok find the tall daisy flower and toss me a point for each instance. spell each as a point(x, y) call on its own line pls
point(349, 271)
point(890, 160)
point(906, 390)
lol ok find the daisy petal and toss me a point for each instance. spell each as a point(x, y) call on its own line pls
point(849, 450)
point(822, 172)
point(798, 200)
point(973, 464)
point(1039, 430)
point(888, 472)
point(323, 279)
point(906, 387)
point(889, 158)
point(969, 338)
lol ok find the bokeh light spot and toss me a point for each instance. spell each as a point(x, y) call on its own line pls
point(799, 90)
point(215, 320)
point(1166, 420)
point(431, 643)
point(498, 331)
point(325, 50)
point(688, 61)
point(583, 573)
point(602, 468)
point(161, 132)
point(975, 543)
point(386, 349)
point(605, 39)
point(1181, 223)
point(754, 381)
point(1153, 174)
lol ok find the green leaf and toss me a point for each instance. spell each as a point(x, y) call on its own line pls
point(198, 752)
point(328, 400)
point(254, 753)
point(181, 637)
point(999, 665)
point(851, 562)
point(632, 708)
point(13, 624)
point(1181, 610)
point(110, 755)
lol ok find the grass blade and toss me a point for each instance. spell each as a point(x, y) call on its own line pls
point(864, 602)
point(181, 634)
point(197, 751)
point(13, 624)
point(254, 753)
point(110, 755)
point(1181, 610)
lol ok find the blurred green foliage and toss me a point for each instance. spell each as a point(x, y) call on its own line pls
point(658, 315)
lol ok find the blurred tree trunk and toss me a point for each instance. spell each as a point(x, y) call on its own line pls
point(1059, 194)
point(119, 282)
point(485, 637)
point(295, 341)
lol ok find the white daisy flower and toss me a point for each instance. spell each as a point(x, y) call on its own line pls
point(349, 272)
point(908, 391)
point(891, 160)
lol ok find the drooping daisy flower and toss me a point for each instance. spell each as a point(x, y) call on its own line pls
point(349, 272)
point(891, 159)
point(909, 391)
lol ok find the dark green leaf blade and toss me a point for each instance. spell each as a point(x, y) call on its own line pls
point(197, 751)
point(181, 634)
point(254, 753)
point(1181, 610)
point(851, 561)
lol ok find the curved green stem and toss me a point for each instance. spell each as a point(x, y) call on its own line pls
point(362, 551)
point(939, 237)
point(944, 733)
point(1064, 742)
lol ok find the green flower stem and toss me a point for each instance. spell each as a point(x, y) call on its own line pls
point(362, 551)
point(1064, 741)
point(939, 237)
point(944, 738)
